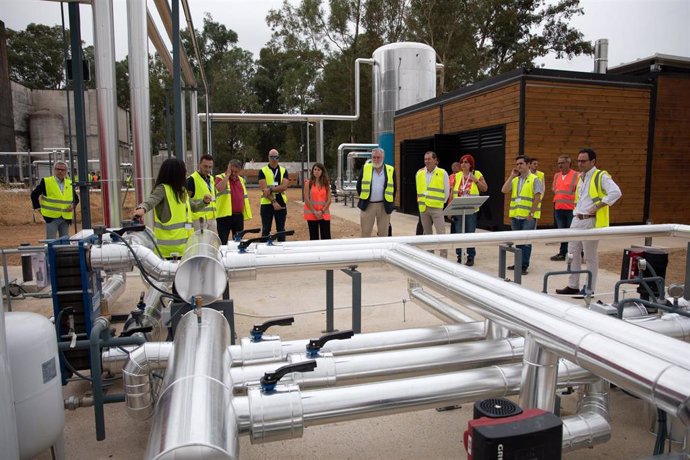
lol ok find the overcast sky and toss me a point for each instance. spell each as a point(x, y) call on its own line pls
point(635, 28)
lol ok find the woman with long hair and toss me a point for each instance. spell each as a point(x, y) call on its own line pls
point(317, 200)
point(171, 208)
point(468, 182)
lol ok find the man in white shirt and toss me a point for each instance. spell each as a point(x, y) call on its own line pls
point(596, 192)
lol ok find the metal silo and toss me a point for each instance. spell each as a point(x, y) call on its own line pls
point(47, 130)
point(404, 75)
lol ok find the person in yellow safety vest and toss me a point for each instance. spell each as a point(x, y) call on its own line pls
point(595, 192)
point(525, 191)
point(563, 186)
point(172, 208)
point(468, 182)
point(376, 190)
point(533, 167)
point(199, 184)
point(232, 201)
point(433, 189)
point(56, 199)
point(273, 182)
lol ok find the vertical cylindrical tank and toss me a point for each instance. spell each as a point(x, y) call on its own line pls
point(47, 130)
point(601, 55)
point(36, 381)
point(8, 424)
point(404, 75)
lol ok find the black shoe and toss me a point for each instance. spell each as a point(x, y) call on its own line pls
point(567, 291)
point(511, 267)
point(524, 271)
point(558, 257)
point(470, 261)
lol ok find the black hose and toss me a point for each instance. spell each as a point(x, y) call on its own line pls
point(660, 433)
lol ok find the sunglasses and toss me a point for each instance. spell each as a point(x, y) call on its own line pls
point(273, 157)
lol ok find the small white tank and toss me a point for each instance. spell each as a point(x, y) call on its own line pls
point(36, 382)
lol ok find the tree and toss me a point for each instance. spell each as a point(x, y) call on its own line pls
point(36, 57)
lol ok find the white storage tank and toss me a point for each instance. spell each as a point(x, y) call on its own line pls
point(36, 382)
point(404, 75)
point(8, 423)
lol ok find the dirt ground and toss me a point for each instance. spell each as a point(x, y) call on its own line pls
point(19, 225)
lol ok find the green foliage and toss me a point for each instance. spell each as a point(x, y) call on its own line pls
point(35, 56)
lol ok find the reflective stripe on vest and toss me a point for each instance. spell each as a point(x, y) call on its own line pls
point(270, 181)
point(521, 205)
point(540, 175)
point(367, 174)
point(56, 203)
point(224, 200)
point(474, 190)
point(171, 236)
point(201, 188)
point(435, 192)
point(318, 197)
point(564, 190)
point(596, 193)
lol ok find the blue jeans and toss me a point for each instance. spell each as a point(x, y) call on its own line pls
point(267, 216)
point(470, 227)
point(57, 228)
point(524, 224)
point(562, 218)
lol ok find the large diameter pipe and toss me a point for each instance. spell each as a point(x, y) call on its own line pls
point(591, 425)
point(113, 287)
point(201, 272)
point(117, 257)
point(136, 375)
point(104, 44)
point(249, 352)
point(650, 377)
point(647, 341)
point(670, 324)
point(194, 417)
point(332, 405)
point(351, 369)
point(539, 376)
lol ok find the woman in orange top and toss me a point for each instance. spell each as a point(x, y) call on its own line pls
point(317, 200)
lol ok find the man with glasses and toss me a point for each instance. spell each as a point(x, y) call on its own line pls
point(525, 191)
point(376, 190)
point(595, 192)
point(273, 182)
point(56, 199)
point(563, 186)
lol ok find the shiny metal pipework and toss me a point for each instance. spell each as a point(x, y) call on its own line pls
point(646, 341)
point(117, 258)
point(591, 425)
point(360, 368)
point(650, 377)
point(250, 353)
point(669, 324)
point(290, 415)
point(136, 376)
point(194, 416)
point(113, 287)
point(341, 182)
point(539, 376)
point(436, 307)
point(201, 272)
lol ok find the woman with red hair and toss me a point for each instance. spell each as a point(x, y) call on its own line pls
point(468, 182)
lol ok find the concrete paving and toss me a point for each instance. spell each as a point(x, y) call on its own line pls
point(424, 434)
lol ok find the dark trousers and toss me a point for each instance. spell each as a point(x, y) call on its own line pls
point(470, 227)
point(562, 218)
point(317, 227)
point(234, 223)
point(524, 224)
point(267, 216)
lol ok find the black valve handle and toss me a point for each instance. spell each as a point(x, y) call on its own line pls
point(238, 236)
point(275, 235)
point(134, 330)
point(270, 379)
point(259, 329)
point(244, 244)
point(315, 345)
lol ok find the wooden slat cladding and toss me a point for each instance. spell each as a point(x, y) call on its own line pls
point(670, 189)
point(561, 118)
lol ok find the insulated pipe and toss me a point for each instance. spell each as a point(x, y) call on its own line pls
point(117, 257)
point(650, 377)
point(136, 375)
point(104, 44)
point(332, 405)
point(194, 416)
point(113, 288)
point(341, 150)
point(250, 353)
point(140, 104)
point(194, 127)
point(354, 369)
point(539, 376)
point(158, 43)
point(166, 18)
point(591, 425)
point(646, 341)
point(669, 324)
point(256, 117)
point(201, 272)
point(436, 307)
